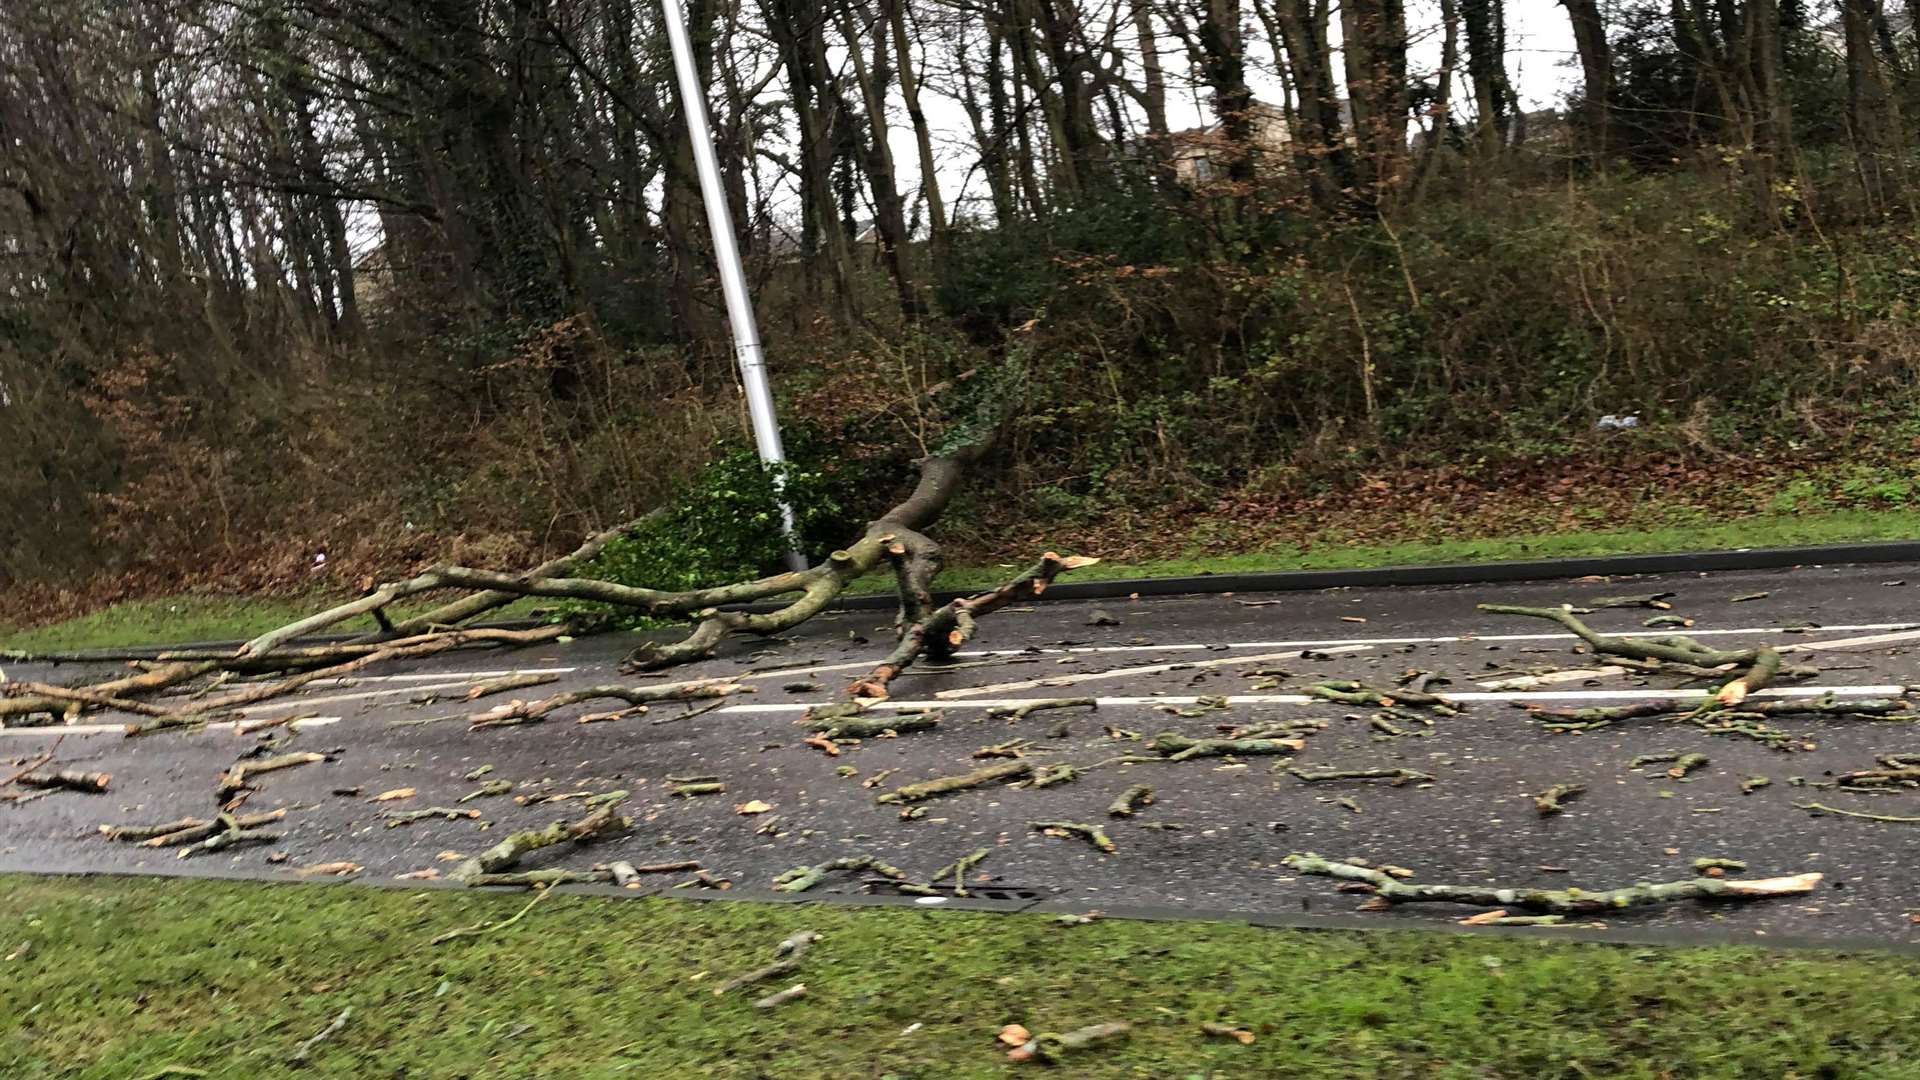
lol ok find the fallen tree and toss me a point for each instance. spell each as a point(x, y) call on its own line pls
point(171, 691)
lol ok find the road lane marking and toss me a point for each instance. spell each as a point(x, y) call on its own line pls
point(354, 680)
point(121, 729)
point(1121, 673)
point(1303, 699)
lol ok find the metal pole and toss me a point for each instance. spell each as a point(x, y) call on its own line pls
point(733, 281)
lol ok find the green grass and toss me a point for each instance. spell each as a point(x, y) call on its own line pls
point(115, 980)
point(192, 617)
point(201, 618)
point(1782, 530)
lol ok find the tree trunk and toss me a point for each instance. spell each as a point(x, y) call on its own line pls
point(1596, 70)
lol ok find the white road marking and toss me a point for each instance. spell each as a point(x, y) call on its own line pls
point(1523, 682)
point(1322, 643)
point(353, 680)
point(1121, 673)
point(1303, 699)
point(1850, 643)
point(330, 699)
point(228, 726)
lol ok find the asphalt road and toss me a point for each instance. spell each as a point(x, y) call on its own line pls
point(1227, 824)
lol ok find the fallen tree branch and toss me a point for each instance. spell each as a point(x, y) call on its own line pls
point(1388, 891)
point(1006, 770)
point(857, 727)
point(510, 851)
point(787, 954)
point(1092, 834)
point(305, 1050)
point(1397, 777)
point(1549, 802)
point(1050, 1047)
point(94, 783)
point(478, 929)
point(1677, 650)
point(1176, 747)
point(237, 777)
point(530, 712)
point(1820, 808)
point(1028, 708)
point(1348, 692)
point(802, 878)
point(1130, 801)
point(952, 624)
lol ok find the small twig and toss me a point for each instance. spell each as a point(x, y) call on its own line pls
point(305, 1049)
point(478, 929)
point(1821, 808)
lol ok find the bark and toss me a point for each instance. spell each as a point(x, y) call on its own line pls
point(1299, 29)
point(895, 12)
point(1872, 110)
point(1493, 96)
point(1596, 71)
point(1375, 49)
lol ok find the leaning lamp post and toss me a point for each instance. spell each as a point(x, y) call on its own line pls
point(733, 280)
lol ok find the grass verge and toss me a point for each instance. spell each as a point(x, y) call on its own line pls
point(202, 618)
point(119, 979)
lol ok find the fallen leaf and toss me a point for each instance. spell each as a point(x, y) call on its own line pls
point(338, 869)
point(1015, 1035)
point(754, 806)
point(394, 795)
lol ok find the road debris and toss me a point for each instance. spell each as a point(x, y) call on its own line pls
point(946, 785)
point(1550, 801)
point(305, 1050)
point(802, 878)
point(1049, 1047)
point(1130, 801)
point(1387, 891)
point(506, 853)
point(1092, 834)
point(787, 956)
point(1396, 777)
point(95, 783)
point(1028, 708)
